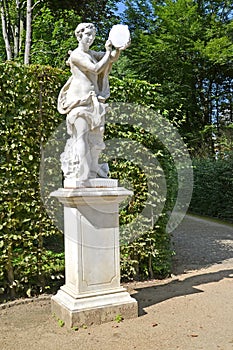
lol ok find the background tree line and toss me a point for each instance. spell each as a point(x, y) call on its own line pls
point(37, 31)
point(185, 46)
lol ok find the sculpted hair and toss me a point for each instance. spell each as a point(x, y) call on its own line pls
point(81, 28)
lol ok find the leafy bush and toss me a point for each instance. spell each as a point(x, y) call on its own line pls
point(28, 115)
point(30, 259)
point(141, 162)
point(213, 186)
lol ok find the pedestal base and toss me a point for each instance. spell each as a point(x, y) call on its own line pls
point(93, 310)
point(92, 293)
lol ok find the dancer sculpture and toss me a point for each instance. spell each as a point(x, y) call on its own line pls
point(83, 98)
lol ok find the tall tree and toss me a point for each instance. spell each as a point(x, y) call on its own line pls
point(28, 32)
point(87, 10)
point(20, 23)
point(186, 46)
point(6, 27)
point(14, 15)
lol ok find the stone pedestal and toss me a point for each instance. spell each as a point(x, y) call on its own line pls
point(92, 293)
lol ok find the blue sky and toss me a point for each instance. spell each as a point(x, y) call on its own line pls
point(121, 7)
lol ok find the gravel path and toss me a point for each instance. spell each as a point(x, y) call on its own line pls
point(200, 243)
point(192, 310)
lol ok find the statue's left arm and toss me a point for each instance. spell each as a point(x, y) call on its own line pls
point(115, 54)
point(113, 57)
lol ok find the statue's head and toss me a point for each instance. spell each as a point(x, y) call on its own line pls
point(81, 29)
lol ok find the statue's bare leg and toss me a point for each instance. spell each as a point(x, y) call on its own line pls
point(83, 148)
point(97, 146)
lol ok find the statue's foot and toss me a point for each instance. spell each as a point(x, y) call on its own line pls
point(103, 170)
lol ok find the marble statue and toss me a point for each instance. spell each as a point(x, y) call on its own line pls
point(83, 100)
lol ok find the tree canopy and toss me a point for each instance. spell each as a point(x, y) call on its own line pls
point(46, 27)
point(186, 46)
point(88, 10)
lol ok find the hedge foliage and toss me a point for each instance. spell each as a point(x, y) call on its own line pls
point(213, 187)
point(28, 114)
point(31, 244)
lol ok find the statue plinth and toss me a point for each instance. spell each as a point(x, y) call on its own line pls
point(92, 293)
point(90, 183)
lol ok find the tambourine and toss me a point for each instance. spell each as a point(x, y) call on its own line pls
point(119, 36)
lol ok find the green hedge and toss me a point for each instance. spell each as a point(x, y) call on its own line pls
point(32, 258)
point(28, 115)
point(213, 188)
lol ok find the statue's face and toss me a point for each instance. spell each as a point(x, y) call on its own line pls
point(88, 36)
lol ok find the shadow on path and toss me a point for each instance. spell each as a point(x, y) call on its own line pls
point(148, 296)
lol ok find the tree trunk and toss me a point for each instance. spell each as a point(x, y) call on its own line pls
point(150, 267)
point(28, 32)
point(17, 29)
point(10, 271)
point(5, 32)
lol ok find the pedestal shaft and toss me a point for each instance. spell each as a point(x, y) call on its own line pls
point(92, 293)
